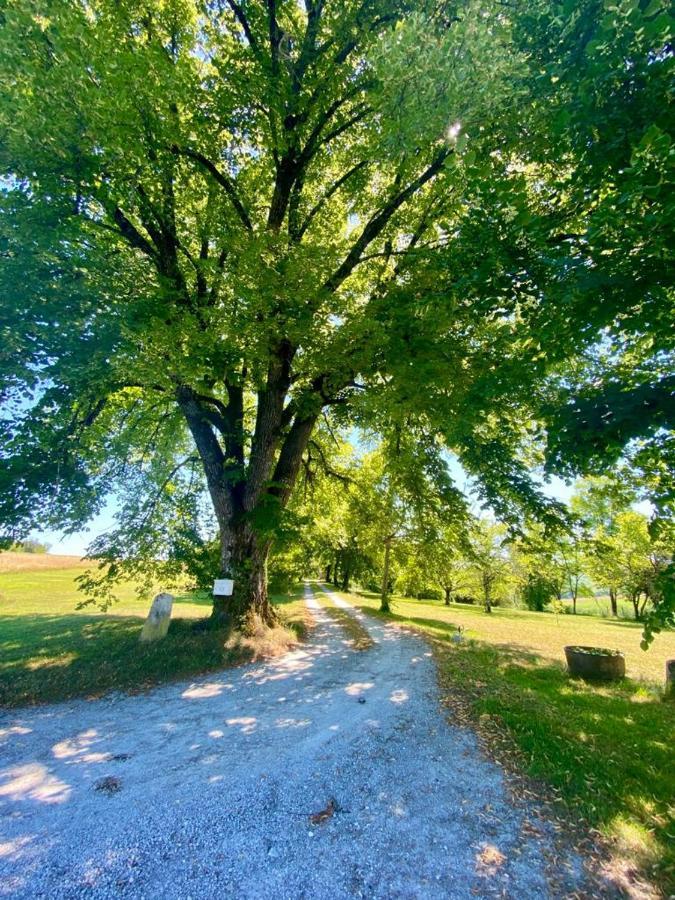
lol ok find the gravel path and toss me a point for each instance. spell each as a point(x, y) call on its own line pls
point(208, 788)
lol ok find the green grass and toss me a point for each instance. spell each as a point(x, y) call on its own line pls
point(544, 633)
point(354, 630)
point(605, 751)
point(600, 606)
point(49, 651)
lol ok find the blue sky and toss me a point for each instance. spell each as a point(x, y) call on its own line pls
point(76, 544)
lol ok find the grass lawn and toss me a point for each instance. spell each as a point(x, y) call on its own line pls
point(543, 633)
point(50, 651)
point(605, 751)
point(354, 630)
point(601, 606)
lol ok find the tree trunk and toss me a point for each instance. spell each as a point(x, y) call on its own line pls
point(328, 570)
point(447, 596)
point(244, 559)
point(574, 603)
point(384, 596)
point(487, 592)
point(237, 489)
point(346, 575)
point(635, 600)
point(612, 602)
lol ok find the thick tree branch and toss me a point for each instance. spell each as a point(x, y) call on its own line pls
point(308, 50)
point(243, 21)
point(290, 457)
point(132, 235)
point(268, 424)
point(210, 453)
point(274, 35)
point(333, 189)
point(221, 178)
point(378, 222)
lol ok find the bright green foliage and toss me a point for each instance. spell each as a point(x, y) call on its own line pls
point(222, 221)
point(491, 562)
point(631, 559)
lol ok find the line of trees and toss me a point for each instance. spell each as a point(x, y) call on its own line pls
point(370, 521)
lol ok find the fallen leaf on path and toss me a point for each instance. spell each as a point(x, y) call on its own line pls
point(325, 814)
point(489, 860)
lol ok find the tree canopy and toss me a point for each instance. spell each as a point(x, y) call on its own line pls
point(226, 222)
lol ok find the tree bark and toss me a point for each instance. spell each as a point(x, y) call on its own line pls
point(613, 602)
point(249, 605)
point(384, 594)
point(346, 575)
point(328, 570)
point(237, 493)
point(487, 591)
point(447, 596)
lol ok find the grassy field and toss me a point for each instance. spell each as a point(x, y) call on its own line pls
point(542, 633)
point(51, 651)
point(605, 752)
point(600, 606)
point(11, 561)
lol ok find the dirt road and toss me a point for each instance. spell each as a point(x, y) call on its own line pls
point(326, 773)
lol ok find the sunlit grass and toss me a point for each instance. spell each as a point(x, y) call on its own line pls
point(354, 630)
point(50, 651)
point(544, 633)
point(605, 751)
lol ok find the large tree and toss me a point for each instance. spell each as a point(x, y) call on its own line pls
point(215, 215)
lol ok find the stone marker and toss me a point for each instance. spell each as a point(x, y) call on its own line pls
point(156, 625)
point(670, 679)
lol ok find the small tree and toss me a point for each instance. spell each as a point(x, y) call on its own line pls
point(636, 560)
point(572, 550)
point(598, 501)
point(538, 568)
point(490, 560)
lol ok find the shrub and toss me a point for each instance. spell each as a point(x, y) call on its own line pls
point(429, 593)
point(463, 598)
point(538, 592)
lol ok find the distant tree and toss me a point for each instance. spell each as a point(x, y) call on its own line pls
point(598, 501)
point(636, 560)
point(490, 560)
point(571, 553)
point(538, 567)
point(30, 546)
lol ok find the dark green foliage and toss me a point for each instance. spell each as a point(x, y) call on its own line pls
point(538, 591)
point(429, 593)
point(465, 599)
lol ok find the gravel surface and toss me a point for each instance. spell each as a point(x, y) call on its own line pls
point(273, 780)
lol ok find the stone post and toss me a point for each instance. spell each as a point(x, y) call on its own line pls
point(670, 679)
point(157, 623)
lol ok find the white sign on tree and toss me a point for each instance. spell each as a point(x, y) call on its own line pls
point(223, 587)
